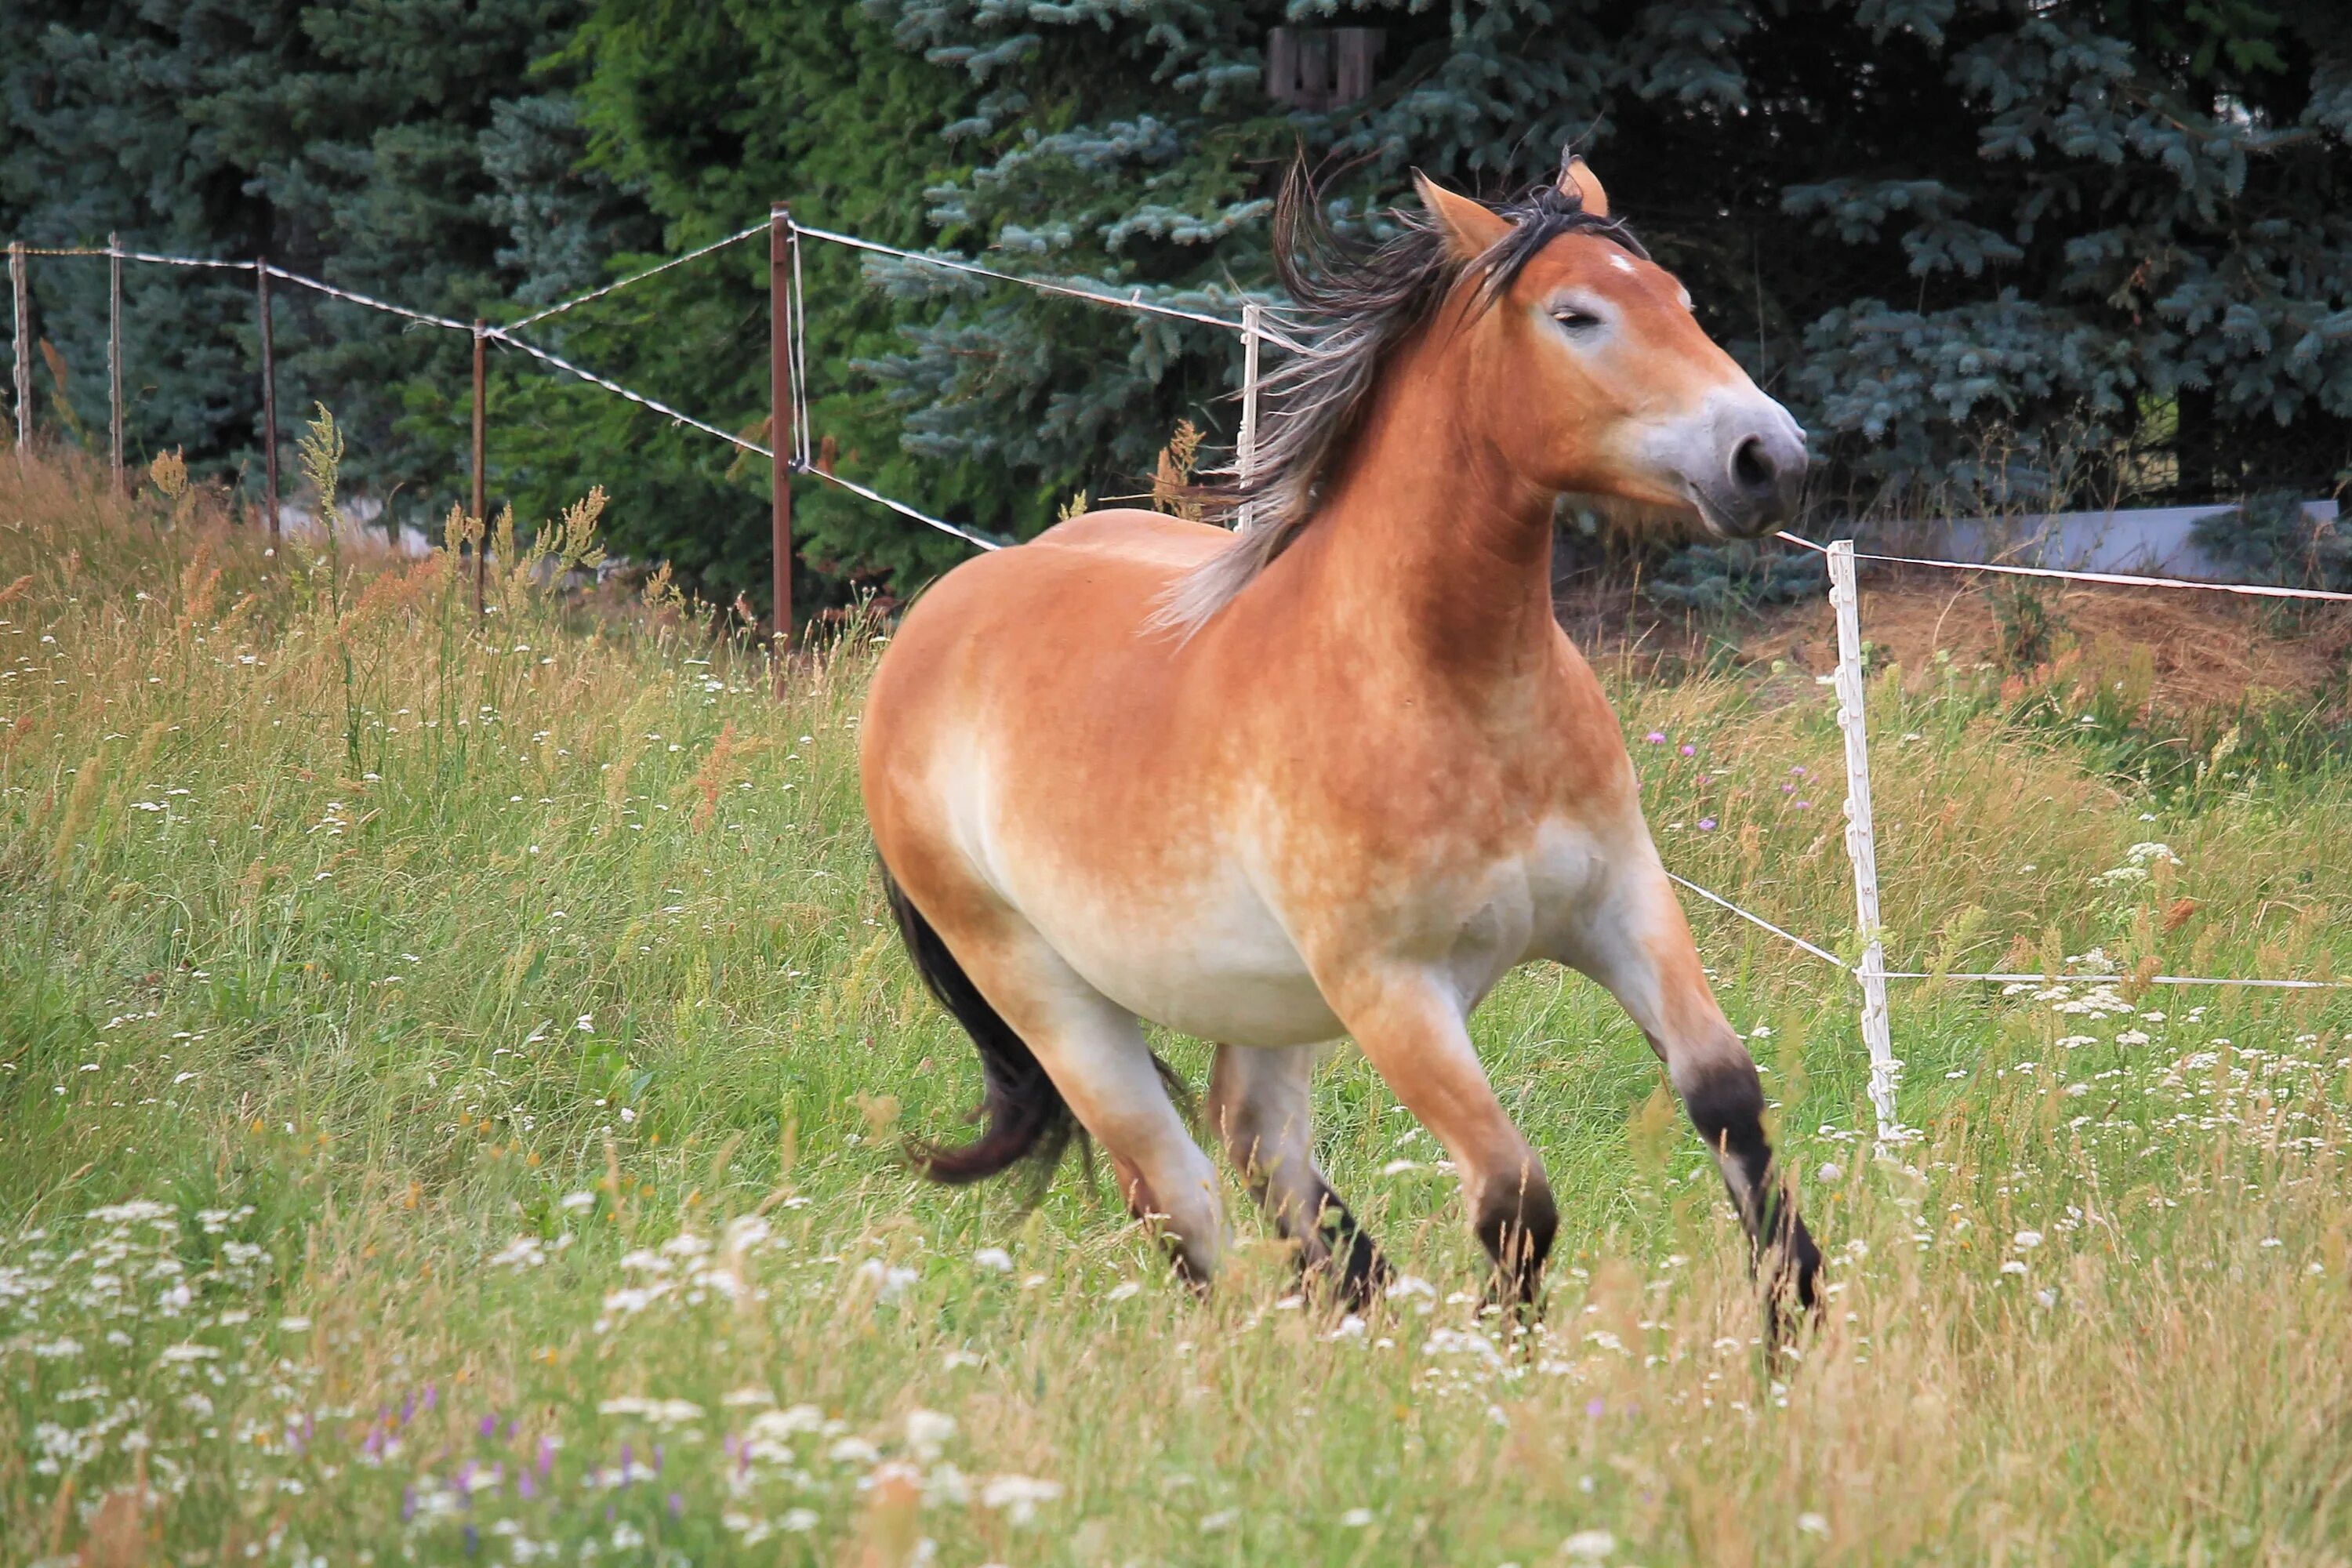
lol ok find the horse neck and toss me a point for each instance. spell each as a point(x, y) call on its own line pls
point(1429, 549)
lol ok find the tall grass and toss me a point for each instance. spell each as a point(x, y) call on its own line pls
point(452, 1074)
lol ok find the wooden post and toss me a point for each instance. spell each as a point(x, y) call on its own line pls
point(114, 357)
point(23, 345)
point(781, 432)
point(268, 401)
point(481, 477)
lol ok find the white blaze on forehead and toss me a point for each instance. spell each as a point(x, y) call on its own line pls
point(1621, 263)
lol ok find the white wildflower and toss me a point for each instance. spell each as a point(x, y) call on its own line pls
point(927, 1432)
point(1017, 1497)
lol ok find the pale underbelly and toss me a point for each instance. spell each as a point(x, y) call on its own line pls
point(1221, 969)
point(1221, 965)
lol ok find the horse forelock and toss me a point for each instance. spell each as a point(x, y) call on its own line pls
point(1349, 315)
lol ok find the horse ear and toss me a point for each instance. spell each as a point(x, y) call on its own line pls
point(1470, 229)
point(1577, 178)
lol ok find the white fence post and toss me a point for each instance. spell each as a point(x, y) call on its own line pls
point(1860, 847)
point(23, 366)
point(1246, 457)
point(114, 357)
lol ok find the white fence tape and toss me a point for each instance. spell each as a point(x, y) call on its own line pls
point(1134, 302)
point(1871, 973)
point(579, 299)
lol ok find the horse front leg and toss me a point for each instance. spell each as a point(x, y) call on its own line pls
point(1412, 1031)
point(1638, 944)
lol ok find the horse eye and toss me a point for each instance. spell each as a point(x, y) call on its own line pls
point(1575, 320)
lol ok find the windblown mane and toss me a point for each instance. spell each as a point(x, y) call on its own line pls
point(1348, 314)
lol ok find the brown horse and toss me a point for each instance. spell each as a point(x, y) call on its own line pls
point(1334, 775)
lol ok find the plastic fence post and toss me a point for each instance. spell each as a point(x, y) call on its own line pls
point(269, 399)
point(24, 365)
point(1860, 847)
point(1246, 460)
point(114, 357)
point(481, 477)
point(781, 431)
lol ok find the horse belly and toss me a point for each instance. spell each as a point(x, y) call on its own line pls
point(1217, 966)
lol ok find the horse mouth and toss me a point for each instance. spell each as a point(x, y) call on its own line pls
point(1710, 516)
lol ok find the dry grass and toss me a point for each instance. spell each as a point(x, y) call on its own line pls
point(2202, 651)
point(502, 1025)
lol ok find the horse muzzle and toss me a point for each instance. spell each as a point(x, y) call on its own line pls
point(1742, 462)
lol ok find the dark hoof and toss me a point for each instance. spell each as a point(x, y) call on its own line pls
point(1355, 1272)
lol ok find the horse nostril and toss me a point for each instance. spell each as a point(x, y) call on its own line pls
point(1753, 467)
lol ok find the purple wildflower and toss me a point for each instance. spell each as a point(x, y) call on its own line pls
point(677, 1505)
point(1689, 751)
point(1656, 737)
point(1707, 824)
point(1596, 1408)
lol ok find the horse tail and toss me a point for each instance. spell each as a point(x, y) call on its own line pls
point(1026, 1116)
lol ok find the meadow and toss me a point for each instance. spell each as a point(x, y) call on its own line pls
point(453, 1074)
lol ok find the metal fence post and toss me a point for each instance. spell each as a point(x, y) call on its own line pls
point(1860, 847)
point(1246, 457)
point(23, 366)
point(481, 474)
point(114, 357)
point(781, 432)
point(268, 400)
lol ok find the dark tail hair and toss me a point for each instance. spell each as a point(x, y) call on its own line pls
point(1026, 1117)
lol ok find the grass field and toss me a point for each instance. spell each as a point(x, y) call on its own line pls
point(452, 1077)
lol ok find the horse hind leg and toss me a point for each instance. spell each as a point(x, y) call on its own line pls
point(1016, 990)
point(1260, 1103)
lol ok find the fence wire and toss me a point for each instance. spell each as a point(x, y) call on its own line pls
point(799, 460)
